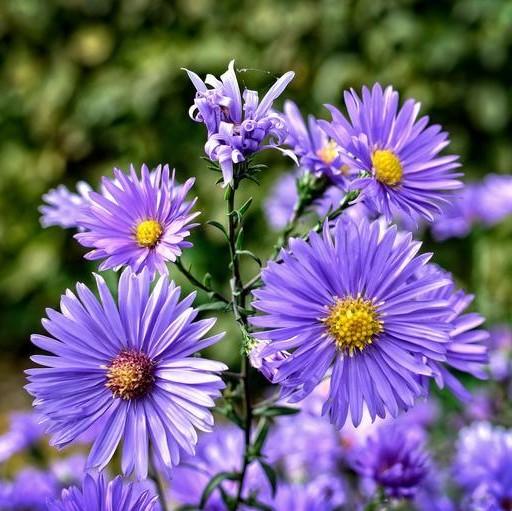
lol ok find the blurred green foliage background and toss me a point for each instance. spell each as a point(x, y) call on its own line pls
point(89, 84)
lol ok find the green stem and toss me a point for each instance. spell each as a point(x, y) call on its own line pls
point(155, 475)
point(196, 282)
point(238, 300)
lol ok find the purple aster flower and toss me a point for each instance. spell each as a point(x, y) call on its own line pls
point(500, 345)
point(129, 366)
point(63, 207)
point(141, 223)
point(395, 459)
point(30, 490)
point(325, 493)
point(467, 349)
point(317, 152)
point(238, 125)
point(220, 451)
point(24, 431)
point(70, 469)
point(98, 494)
point(483, 466)
point(345, 300)
point(397, 155)
point(495, 199)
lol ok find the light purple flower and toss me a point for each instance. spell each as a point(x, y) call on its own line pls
point(395, 459)
point(221, 451)
point(345, 300)
point(98, 494)
point(63, 207)
point(130, 366)
point(238, 125)
point(500, 345)
point(495, 198)
point(24, 431)
point(483, 466)
point(324, 493)
point(317, 153)
point(397, 155)
point(141, 223)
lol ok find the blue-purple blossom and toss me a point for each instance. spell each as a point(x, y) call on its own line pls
point(238, 124)
point(500, 348)
point(130, 367)
point(395, 459)
point(467, 350)
point(63, 207)
point(483, 467)
point(98, 494)
point(344, 300)
point(396, 155)
point(138, 222)
point(324, 493)
point(24, 431)
point(317, 153)
point(30, 490)
point(220, 451)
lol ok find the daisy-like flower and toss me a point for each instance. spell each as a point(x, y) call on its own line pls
point(345, 301)
point(483, 466)
point(238, 125)
point(128, 370)
point(395, 459)
point(467, 350)
point(138, 222)
point(63, 207)
point(316, 151)
point(397, 154)
point(98, 494)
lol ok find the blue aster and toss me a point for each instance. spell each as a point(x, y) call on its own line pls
point(140, 222)
point(344, 301)
point(98, 494)
point(396, 153)
point(126, 371)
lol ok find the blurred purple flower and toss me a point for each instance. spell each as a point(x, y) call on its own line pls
point(342, 300)
point(24, 431)
point(132, 360)
point(238, 125)
point(220, 451)
point(63, 207)
point(98, 494)
point(500, 345)
point(141, 223)
point(483, 466)
point(324, 493)
point(395, 459)
point(396, 154)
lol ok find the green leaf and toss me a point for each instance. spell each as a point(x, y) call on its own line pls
point(214, 482)
point(230, 414)
point(219, 226)
point(261, 436)
point(271, 475)
point(245, 206)
point(213, 306)
point(275, 411)
point(251, 255)
point(239, 240)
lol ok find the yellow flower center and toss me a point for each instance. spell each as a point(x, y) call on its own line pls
point(328, 152)
point(130, 375)
point(387, 166)
point(353, 323)
point(148, 232)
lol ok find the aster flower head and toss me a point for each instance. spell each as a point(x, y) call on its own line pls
point(344, 301)
point(483, 466)
point(63, 207)
point(316, 152)
point(98, 494)
point(220, 451)
point(128, 367)
point(238, 124)
point(138, 222)
point(397, 155)
point(467, 350)
point(395, 459)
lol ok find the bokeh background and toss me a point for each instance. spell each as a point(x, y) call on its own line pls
point(86, 85)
